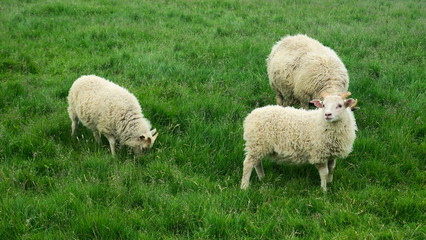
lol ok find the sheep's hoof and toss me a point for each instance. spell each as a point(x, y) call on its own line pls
point(244, 186)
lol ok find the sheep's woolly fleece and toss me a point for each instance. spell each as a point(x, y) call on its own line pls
point(301, 68)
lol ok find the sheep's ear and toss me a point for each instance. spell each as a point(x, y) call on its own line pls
point(153, 131)
point(350, 102)
point(317, 103)
point(154, 137)
point(151, 140)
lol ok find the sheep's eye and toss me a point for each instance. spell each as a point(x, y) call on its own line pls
point(339, 106)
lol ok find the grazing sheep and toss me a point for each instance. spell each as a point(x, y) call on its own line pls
point(111, 110)
point(301, 68)
point(298, 136)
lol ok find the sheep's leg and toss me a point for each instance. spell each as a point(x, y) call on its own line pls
point(323, 172)
point(97, 135)
point(259, 170)
point(111, 141)
point(74, 119)
point(279, 98)
point(331, 166)
point(249, 163)
point(74, 125)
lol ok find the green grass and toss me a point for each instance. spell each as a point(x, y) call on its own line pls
point(198, 68)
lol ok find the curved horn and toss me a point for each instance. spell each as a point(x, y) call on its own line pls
point(354, 103)
point(345, 95)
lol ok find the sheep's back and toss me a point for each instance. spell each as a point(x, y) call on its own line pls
point(100, 103)
point(318, 72)
point(287, 56)
point(302, 66)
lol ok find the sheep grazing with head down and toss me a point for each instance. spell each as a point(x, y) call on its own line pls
point(301, 68)
point(108, 109)
point(298, 136)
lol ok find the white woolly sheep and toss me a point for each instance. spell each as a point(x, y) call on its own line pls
point(301, 68)
point(298, 136)
point(108, 109)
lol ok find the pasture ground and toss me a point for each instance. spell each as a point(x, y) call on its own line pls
point(198, 68)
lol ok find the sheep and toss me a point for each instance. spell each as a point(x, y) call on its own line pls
point(108, 109)
point(298, 136)
point(301, 68)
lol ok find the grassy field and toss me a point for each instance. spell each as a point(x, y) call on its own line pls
point(198, 68)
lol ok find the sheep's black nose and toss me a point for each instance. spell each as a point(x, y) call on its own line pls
point(328, 114)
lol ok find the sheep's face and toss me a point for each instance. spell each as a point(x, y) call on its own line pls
point(143, 141)
point(333, 106)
